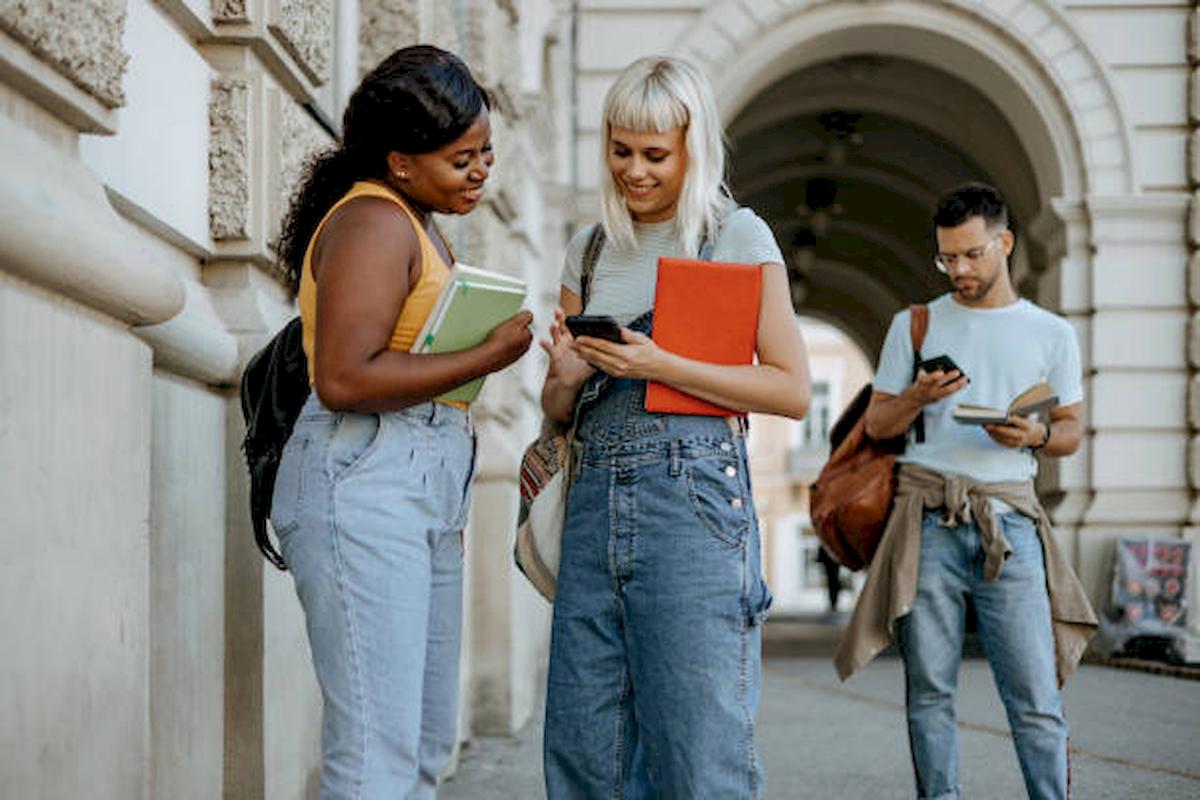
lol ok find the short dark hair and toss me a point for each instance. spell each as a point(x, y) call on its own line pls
point(968, 201)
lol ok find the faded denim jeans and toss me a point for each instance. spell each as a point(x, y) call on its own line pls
point(368, 510)
point(1013, 615)
point(655, 646)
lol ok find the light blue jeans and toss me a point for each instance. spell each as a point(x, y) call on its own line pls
point(655, 646)
point(1013, 615)
point(368, 510)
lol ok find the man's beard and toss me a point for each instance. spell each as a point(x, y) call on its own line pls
point(979, 291)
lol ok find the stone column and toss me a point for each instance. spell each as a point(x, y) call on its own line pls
point(272, 60)
point(1137, 341)
point(1061, 236)
point(1192, 530)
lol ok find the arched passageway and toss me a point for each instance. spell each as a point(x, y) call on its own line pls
point(846, 120)
point(845, 160)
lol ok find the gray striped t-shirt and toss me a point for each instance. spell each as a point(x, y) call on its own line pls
point(623, 283)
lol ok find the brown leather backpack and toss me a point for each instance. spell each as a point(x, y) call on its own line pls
point(852, 495)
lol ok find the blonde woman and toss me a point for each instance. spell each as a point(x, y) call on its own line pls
point(654, 662)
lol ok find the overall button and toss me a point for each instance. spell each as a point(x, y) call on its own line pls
point(736, 502)
point(726, 447)
point(731, 471)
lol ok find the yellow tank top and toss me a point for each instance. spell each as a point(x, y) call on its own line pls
point(420, 300)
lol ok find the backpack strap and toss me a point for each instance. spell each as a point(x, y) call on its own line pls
point(591, 254)
point(918, 326)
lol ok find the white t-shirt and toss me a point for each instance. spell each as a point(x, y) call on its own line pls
point(624, 280)
point(1003, 351)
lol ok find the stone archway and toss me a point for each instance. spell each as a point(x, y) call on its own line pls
point(1044, 122)
point(1022, 54)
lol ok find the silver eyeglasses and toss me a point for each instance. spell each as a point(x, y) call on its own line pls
point(945, 262)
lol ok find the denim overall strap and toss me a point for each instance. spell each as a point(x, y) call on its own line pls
point(596, 385)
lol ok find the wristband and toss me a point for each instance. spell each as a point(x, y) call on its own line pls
point(1045, 440)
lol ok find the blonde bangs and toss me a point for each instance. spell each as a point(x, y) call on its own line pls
point(645, 106)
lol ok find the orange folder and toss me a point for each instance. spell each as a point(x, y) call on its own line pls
point(707, 311)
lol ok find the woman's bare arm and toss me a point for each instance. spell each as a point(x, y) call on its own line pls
point(363, 262)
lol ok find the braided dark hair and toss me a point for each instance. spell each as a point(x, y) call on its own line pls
point(418, 99)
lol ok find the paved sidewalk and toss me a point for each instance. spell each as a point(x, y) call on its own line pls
point(1134, 734)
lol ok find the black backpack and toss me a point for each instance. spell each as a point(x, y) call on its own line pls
point(274, 388)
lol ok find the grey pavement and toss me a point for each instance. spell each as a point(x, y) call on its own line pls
point(1133, 734)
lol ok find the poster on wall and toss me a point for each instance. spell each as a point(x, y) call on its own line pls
point(1149, 591)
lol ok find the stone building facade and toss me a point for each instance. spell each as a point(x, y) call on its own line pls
point(150, 146)
point(846, 119)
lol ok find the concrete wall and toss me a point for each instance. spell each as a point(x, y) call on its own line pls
point(187, 601)
point(150, 149)
point(75, 489)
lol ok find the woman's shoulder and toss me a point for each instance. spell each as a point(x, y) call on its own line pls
point(580, 238)
point(368, 221)
point(744, 231)
point(577, 244)
point(742, 222)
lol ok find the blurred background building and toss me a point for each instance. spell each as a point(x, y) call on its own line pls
point(149, 147)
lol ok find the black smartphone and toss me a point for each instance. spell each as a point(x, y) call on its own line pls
point(598, 326)
point(943, 363)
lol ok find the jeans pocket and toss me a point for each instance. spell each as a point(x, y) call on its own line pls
point(1022, 535)
point(465, 500)
point(354, 439)
point(758, 606)
point(715, 495)
point(287, 495)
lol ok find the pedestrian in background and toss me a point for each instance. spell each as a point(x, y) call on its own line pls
point(967, 522)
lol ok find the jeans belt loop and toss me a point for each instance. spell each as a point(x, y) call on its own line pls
point(676, 462)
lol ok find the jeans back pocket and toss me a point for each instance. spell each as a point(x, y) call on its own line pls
point(288, 493)
point(354, 439)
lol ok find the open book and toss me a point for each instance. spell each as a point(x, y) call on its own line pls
point(1037, 399)
point(471, 304)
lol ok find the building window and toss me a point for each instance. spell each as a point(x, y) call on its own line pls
point(814, 429)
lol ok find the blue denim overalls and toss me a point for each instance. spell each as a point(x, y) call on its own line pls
point(655, 650)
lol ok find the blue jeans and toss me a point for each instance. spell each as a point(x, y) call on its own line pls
point(368, 510)
point(654, 655)
point(1013, 615)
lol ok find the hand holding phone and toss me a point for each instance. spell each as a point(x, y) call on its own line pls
point(944, 364)
point(597, 326)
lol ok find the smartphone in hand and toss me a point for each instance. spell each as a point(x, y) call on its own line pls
point(944, 363)
point(597, 326)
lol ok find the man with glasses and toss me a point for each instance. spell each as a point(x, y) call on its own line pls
point(966, 529)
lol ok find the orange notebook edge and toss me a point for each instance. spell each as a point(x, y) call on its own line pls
point(708, 311)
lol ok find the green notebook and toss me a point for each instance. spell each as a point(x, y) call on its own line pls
point(468, 309)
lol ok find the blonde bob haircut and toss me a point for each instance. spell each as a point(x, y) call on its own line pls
point(658, 94)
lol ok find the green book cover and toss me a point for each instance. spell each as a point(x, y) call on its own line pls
point(471, 311)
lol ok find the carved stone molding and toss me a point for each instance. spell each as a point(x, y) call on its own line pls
point(229, 10)
point(446, 31)
point(384, 26)
point(305, 29)
point(229, 159)
point(81, 40)
point(299, 138)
